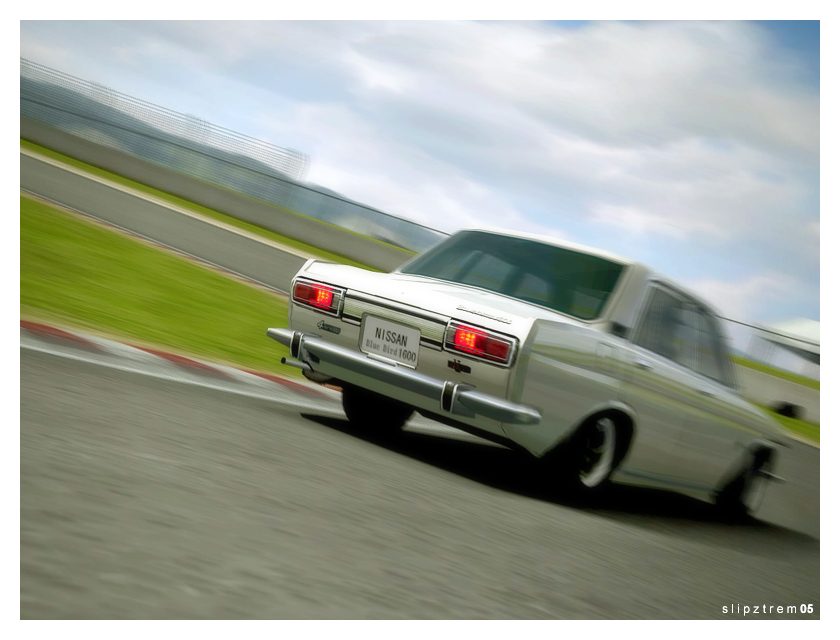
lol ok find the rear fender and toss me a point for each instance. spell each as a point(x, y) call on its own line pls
point(612, 407)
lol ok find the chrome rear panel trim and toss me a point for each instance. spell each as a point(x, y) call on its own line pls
point(431, 329)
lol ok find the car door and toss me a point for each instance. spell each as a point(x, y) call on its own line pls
point(687, 429)
point(715, 433)
point(659, 388)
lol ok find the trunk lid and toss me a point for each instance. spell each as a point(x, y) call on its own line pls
point(452, 300)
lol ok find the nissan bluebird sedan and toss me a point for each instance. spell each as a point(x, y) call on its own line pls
point(594, 365)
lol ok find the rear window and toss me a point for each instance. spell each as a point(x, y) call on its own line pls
point(568, 281)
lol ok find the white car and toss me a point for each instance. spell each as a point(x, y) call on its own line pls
point(591, 363)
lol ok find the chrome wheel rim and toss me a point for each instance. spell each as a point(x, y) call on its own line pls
point(598, 453)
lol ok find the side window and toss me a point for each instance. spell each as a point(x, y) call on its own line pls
point(687, 336)
point(685, 333)
point(713, 353)
point(662, 329)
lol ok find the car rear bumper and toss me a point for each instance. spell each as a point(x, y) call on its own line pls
point(449, 398)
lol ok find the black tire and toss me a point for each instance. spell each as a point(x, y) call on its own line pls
point(742, 495)
point(731, 503)
point(583, 465)
point(372, 411)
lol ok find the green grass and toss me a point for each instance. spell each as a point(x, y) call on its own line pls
point(779, 373)
point(212, 213)
point(78, 273)
point(808, 430)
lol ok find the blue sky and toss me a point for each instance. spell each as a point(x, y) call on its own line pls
point(692, 146)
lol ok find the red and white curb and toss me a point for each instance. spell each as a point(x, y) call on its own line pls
point(47, 337)
point(76, 345)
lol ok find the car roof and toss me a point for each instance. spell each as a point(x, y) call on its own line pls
point(556, 242)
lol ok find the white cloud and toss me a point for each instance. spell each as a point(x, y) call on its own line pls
point(353, 160)
point(680, 124)
point(627, 83)
point(640, 222)
point(739, 298)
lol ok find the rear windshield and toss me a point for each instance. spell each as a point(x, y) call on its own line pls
point(574, 283)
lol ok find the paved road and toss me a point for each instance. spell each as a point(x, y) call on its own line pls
point(144, 498)
point(242, 254)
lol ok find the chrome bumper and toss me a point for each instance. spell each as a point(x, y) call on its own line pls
point(456, 399)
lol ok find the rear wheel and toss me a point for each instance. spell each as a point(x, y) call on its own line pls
point(597, 453)
point(368, 410)
point(585, 463)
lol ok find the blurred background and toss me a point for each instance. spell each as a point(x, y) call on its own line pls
point(175, 175)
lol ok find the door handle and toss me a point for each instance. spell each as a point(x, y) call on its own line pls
point(707, 393)
point(643, 364)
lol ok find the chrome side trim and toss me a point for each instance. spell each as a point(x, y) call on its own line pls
point(398, 306)
point(461, 400)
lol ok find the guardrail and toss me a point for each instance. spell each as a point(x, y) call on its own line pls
point(205, 151)
point(324, 235)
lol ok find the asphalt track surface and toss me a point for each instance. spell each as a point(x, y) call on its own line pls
point(144, 498)
point(235, 251)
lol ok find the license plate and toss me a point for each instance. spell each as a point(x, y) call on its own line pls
point(390, 340)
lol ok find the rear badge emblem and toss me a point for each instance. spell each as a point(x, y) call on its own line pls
point(457, 366)
point(323, 326)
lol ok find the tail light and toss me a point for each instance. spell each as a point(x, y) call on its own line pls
point(317, 295)
point(479, 343)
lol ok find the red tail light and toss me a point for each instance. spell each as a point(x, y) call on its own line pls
point(320, 296)
point(480, 343)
